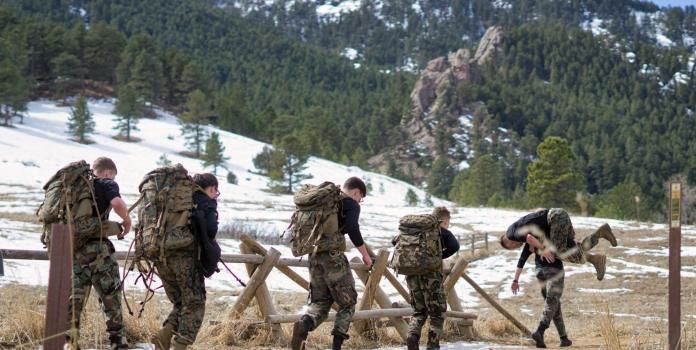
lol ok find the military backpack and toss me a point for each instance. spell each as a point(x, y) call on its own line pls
point(418, 248)
point(164, 214)
point(69, 199)
point(314, 224)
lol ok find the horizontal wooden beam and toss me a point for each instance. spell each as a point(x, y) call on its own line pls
point(25, 254)
point(369, 314)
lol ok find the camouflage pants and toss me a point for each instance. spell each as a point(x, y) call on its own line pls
point(331, 280)
point(185, 288)
point(94, 265)
point(427, 299)
point(562, 236)
point(551, 280)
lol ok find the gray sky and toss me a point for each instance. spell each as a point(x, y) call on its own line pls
point(674, 2)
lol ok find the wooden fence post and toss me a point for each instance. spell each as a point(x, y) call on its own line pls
point(392, 279)
point(453, 298)
point(473, 244)
point(372, 283)
point(497, 306)
point(263, 296)
point(59, 286)
point(260, 250)
point(384, 302)
point(258, 277)
point(485, 236)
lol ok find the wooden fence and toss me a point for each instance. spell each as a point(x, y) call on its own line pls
point(259, 263)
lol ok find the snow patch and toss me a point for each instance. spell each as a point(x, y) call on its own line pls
point(350, 53)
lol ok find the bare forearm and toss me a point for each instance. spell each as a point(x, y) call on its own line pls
point(518, 273)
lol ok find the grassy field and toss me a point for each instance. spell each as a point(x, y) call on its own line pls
point(632, 316)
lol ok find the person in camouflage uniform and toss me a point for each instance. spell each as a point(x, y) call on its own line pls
point(331, 279)
point(183, 280)
point(554, 229)
point(551, 232)
point(94, 263)
point(427, 296)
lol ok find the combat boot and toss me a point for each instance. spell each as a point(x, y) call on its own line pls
point(338, 340)
point(538, 336)
point(179, 346)
point(565, 342)
point(606, 233)
point(300, 330)
point(118, 342)
point(163, 339)
point(412, 342)
point(433, 341)
point(600, 264)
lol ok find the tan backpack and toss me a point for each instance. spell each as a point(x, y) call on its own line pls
point(164, 214)
point(418, 248)
point(69, 199)
point(314, 224)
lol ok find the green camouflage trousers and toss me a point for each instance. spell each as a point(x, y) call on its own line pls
point(185, 288)
point(427, 299)
point(562, 233)
point(94, 265)
point(331, 280)
point(551, 280)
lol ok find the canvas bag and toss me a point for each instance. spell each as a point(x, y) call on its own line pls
point(69, 199)
point(164, 213)
point(418, 248)
point(314, 224)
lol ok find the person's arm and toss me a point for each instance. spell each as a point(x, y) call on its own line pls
point(449, 243)
point(367, 260)
point(351, 214)
point(516, 281)
point(545, 254)
point(121, 210)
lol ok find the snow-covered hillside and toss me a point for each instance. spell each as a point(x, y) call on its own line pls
point(31, 152)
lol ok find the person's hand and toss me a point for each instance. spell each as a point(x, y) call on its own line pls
point(547, 255)
point(126, 227)
point(367, 260)
point(515, 287)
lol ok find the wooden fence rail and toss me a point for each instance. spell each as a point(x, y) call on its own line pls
point(259, 263)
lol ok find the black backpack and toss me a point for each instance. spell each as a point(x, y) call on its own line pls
point(208, 252)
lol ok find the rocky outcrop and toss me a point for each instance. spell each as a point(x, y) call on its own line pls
point(432, 100)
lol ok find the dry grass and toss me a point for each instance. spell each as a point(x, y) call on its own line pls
point(22, 318)
point(611, 336)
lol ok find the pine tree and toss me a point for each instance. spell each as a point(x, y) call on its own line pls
point(128, 110)
point(440, 177)
point(164, 161)
point(554, 179)
point(194, 120)
point(214, 152)
point(476, 185)
point(103, 47)
point(295, 156)
point(80, 122)
point(411, 198)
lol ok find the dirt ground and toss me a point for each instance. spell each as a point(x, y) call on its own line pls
point(632, 316)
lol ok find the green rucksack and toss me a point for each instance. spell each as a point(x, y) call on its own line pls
point(164, 213)
point(69, 199)
point(418, 249)
point(314, 224)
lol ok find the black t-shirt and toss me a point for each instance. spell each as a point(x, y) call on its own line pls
point(538, 262)
point(104, 191)
point(537, 218)
point(348, 220)
point(450, 245)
